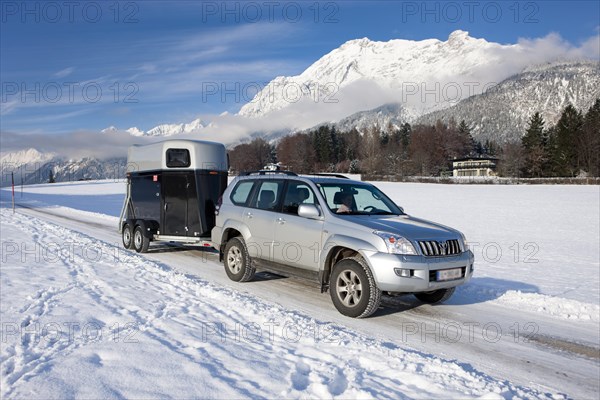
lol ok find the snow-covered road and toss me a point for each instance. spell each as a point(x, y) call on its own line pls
point(118, 324)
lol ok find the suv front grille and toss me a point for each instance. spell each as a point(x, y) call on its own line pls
point(433, 248)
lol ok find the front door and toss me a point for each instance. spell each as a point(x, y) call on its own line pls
point(175, 204)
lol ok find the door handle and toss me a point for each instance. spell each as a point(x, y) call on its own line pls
point(280, 221)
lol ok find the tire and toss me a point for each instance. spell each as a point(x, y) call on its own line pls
point(436, 296)
point(140, 241)
point(353, 289)
point(238, 264)
point(127, 236)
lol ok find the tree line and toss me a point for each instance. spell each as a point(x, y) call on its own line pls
point(565, 149)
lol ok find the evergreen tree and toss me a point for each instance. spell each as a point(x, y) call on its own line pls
point(464, 132)
point(534, 135)
point(384, 138)
point(480, 149)
point(51, 178)
point(568, 131)
point(589, 144)
point(405, 134)
point(491, 148)
point(334, 146)
point(534, 147)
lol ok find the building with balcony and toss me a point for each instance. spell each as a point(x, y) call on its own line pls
point(474, 166)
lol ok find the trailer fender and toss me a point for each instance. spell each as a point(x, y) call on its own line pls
point(148, 227)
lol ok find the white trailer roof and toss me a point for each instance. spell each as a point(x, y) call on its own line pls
point(203, 155)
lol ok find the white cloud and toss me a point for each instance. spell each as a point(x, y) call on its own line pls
point(64, 72)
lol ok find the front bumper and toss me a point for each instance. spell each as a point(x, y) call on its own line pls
point(384, 268)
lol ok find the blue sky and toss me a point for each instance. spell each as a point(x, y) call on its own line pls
point(87, 65)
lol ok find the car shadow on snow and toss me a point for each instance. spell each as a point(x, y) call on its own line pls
point(478, 290)
point(481, 290)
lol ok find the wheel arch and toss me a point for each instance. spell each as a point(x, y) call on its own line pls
point(338, 248)
point(231, 230)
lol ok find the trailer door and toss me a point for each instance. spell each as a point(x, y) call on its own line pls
point(175, 204)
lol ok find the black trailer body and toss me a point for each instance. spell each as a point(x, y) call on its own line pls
point(172, 191)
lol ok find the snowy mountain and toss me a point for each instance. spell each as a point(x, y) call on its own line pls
point(503, 112)
point(389, 114)
point(174, 129)
point(25, 157)
point(410, 81)
point(32, 166)
point(423, 75)
point(163, 129)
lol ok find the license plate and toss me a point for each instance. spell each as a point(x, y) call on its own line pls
point(449, 274)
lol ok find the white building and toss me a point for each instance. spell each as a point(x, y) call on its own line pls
point(472, 166)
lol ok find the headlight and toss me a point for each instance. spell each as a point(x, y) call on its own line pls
point(396, 244)
point(464, 246)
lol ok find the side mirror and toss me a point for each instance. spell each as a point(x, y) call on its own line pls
point(310, 211)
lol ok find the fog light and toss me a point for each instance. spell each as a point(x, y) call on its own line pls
point(404, 273)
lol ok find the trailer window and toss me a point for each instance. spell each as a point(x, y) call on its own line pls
point(178, 158)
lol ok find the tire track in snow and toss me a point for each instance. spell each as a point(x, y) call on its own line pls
point(349, 365)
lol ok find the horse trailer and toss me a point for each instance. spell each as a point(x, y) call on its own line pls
point(172, 191)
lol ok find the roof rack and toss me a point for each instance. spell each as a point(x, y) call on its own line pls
point(330, 175)
point(267, 172)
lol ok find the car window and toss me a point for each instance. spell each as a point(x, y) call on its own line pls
point(268, 195)
point(241, 193)
point(357, 199)
point(297, 193)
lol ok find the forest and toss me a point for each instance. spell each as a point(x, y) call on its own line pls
point(569, 148)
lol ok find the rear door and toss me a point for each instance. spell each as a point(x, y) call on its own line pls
point(260, 216)
point(175, 204)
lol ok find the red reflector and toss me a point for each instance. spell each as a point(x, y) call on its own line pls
point(213, 173)
point(206, 245)
point(154, 178)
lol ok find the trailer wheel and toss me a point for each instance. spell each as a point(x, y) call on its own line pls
point(140, 241)
point(127, 236)
point(238, 264)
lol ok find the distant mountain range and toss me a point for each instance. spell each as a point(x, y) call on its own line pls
point(404, 69)
point(495, 88)
point(420, 82)
point(31, 167)
point(503, 112)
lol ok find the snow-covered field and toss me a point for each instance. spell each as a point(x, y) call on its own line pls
point(81, 317)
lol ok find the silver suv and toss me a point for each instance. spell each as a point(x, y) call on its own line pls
point(347, 235)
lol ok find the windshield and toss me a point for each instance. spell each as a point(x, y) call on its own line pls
point(357, 199)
